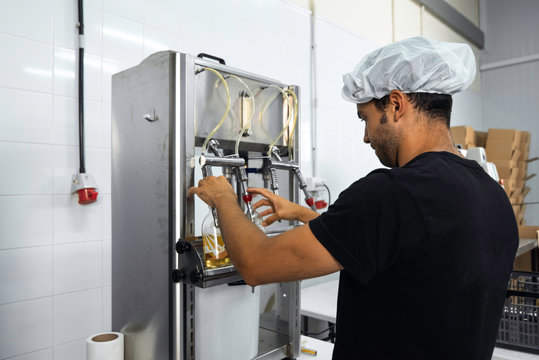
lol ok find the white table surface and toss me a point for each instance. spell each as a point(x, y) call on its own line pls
point(320, 301)
point(324, 349)
point(504, 354)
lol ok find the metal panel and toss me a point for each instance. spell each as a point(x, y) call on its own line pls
point(511, 30)
point(455, 20)
point(141, 231)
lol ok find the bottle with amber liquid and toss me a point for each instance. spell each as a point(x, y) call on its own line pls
point(215, 253)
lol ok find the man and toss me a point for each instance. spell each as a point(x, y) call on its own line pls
point(425, 248)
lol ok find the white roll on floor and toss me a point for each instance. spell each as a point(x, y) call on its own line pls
point(105, 346)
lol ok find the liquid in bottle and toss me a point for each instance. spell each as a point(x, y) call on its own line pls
point(215, 253)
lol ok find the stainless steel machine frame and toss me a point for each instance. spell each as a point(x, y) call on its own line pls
point(154, 140)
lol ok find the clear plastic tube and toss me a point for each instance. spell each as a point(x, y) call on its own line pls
point(210, 135)
point(291, 136)
point(285, 97)
point(242, 129)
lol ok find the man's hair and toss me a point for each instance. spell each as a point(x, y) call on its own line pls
point(436, 106)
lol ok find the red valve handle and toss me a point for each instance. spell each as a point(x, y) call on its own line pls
point(87, 196)
point(320, 204)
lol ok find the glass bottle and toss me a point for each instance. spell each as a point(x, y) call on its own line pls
point(215, 253)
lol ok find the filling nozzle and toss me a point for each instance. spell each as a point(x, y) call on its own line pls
point(303, 186)
point(272, 173)
point(247, 198)
point(275, 162)
point(228, 163)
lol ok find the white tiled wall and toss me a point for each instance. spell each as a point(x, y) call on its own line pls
point(55, 260)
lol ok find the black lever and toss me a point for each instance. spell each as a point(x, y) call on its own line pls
point(218, 59)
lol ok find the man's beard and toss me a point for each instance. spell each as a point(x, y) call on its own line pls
point(386, 147)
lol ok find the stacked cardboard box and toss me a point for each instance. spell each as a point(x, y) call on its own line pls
point(481, 138)
point(509, 149)
point(464, 136)
point(503, 150)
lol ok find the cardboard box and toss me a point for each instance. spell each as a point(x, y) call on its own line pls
point(462, 131)
point(463, 135)
point(505, 168)
point(501, 150)
point(504, 135)
point(522, 168)
point(525, 138)
point(481, 138)
point(523, 262)
point(528, 232)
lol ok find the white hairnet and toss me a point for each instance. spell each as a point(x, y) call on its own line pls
point(413, 65)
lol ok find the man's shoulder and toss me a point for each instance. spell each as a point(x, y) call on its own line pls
point(375, 183)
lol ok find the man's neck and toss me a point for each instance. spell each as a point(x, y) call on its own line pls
point(426, 139)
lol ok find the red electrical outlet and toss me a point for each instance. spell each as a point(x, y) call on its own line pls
point(85, 186)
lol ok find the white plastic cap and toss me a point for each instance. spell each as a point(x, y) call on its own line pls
point(413, 65)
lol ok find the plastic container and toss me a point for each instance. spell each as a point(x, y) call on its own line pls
point(519, 326)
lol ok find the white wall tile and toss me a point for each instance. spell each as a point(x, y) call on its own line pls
point(19, 211)
point(20, 122)
point(77, 315)
point(28, 18)
point(26, 169)
point(105, 184)
point(33, 319)
point(131, 9)
point(65, 78)
point(28, 66)
point(224, 26)
point(25, 273)
point(156, 40)
point(66, 122)
point(77, 266)
point(107, 309)
point(75, 350)
point(122, 39)
point(106, 113)
point(66, 163)
point(106, 201)
point(107, 263)
point(98, 4)
point(37, 355)
point(163, 14)
point(66, 32)
point(74, 222)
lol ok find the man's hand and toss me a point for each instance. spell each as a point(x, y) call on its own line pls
point(213, 190)
point(280, 208)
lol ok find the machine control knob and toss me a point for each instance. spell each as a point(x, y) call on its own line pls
point(195, 276)
point(178, 275)
point(182, 246)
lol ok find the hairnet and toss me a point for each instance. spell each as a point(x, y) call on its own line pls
point(413, 65)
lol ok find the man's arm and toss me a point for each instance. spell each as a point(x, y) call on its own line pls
point(293, 255)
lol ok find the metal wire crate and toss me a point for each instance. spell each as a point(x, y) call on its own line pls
point(519, 327)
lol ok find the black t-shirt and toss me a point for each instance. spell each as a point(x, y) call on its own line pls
point(427, 250)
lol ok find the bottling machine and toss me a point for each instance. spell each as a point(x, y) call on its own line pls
point(175, 119)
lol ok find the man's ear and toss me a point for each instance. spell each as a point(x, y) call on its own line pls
point(398, 104)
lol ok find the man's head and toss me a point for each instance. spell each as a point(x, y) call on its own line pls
point(404, 89)
point(397, 115)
